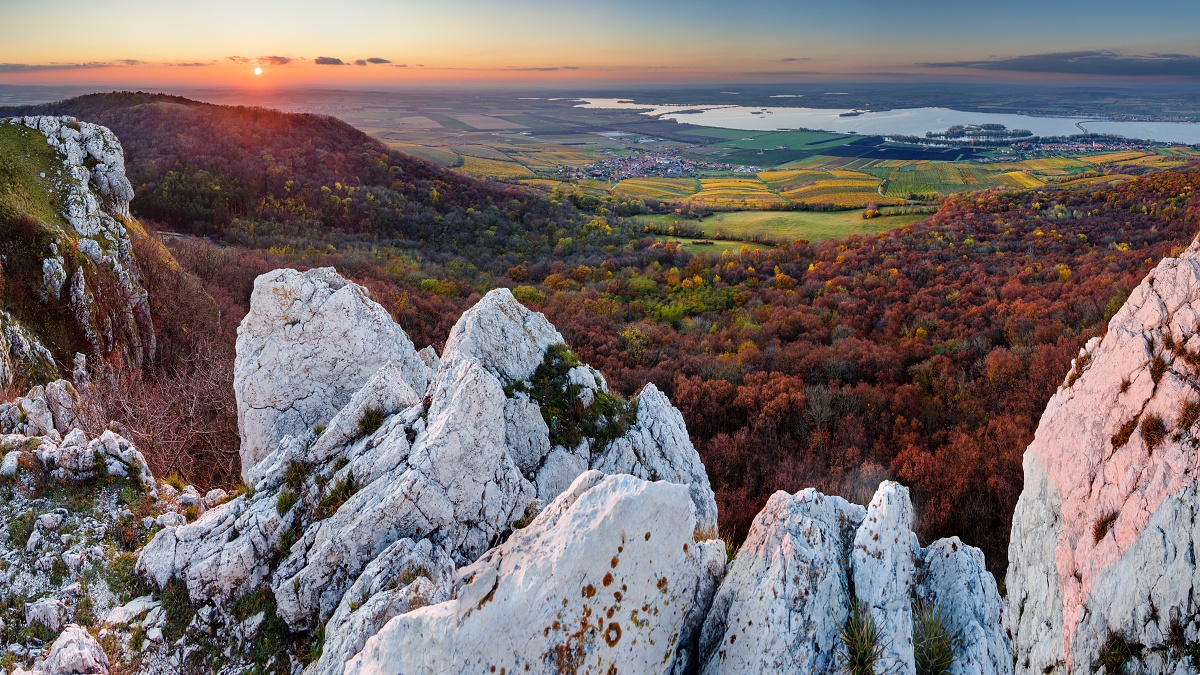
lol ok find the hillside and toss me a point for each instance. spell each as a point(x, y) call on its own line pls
point(71, 283)
point(263, 177)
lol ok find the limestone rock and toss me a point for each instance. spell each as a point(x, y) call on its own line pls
point(309, 342)
point(786, 597)
point(76, 652)
point(1103, 530)
point(602, 578)
point(953, 577)
point(501, 335)
point(658, 447)
point(47, 612)
point(406, 576)
point(883, 565)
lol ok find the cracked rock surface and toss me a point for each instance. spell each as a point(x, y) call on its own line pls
point(1105, 530)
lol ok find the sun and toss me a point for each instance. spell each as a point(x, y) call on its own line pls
point(258, 71)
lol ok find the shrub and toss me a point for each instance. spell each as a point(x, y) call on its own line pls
point(1153, 431)
point(372, 419)
point(861, 639)
point(528, 294)
point(933, 645)
point(20, 529)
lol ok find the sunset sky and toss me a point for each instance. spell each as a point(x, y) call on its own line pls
point(398, 42)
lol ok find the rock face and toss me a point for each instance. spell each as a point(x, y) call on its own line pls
point(603, 580)
point(1104, 531)
point(787, 596)
point(310, 341)
point(88, 281)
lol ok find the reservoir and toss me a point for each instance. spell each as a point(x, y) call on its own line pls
point(903, 121)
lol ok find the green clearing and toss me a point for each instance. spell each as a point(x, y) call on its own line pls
point(792, 140)
point(24, 157)
point(715, 247)
point(787, 225)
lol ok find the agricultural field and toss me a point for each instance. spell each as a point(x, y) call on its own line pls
point(479, 167)
point(669, 189)
point(736, 193)
point(784, 226)
point(551, 145)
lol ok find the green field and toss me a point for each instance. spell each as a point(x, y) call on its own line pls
point(787, 226)
point(714, 247)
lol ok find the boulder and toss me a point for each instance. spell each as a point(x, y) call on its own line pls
point(604, 579)
point(1103, 531)
point(76, 652)
point(309, 342)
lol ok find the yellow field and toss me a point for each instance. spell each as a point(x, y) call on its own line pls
point(1113, 157)
point(656, 188)
point(1094, 180)
point(491, 168)
point(736, 193)
point(794, 178)
point(1022, 179)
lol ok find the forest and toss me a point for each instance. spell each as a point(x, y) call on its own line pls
point(924, 354)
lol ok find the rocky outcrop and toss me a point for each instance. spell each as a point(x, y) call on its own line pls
point(603, 580)
point(310, 341)
point(78, 264)
point(410, 468)
point(1103, 539)
point(810, 560)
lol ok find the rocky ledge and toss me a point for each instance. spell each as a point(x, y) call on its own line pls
point(494, 508)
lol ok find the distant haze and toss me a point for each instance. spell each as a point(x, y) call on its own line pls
point(380, 42)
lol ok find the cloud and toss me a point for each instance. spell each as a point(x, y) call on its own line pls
point(376, 59)
point(793, 59)
point(360, 62)
point(543, 69)
point(30, 67)
point(1095, 62)
point(329, 61)
point(275, 60)
point(238, 59)
point(193, 64)
point(129, 62)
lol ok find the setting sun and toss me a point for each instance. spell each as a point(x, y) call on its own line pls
point(258, 71)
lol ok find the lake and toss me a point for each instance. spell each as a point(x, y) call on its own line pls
point(904, 121)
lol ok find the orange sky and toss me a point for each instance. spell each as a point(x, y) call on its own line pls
point(554, 41)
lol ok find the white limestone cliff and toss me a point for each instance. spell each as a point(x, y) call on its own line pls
point(1104, 533)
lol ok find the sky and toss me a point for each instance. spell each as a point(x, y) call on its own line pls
point(572, 42)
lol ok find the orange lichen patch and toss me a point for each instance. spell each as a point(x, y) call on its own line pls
point(612, 634)
point(608, 579)
point(589, 591)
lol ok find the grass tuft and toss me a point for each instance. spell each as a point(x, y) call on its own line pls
point(1154, 431)
point(933, 645)
point(1116, 653)
point(1123, 434)
point(372, 419)
point(861, 639)
point(1104, 525)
